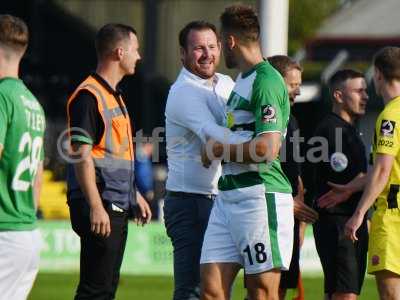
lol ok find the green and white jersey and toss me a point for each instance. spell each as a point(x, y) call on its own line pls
point(258, 104)
point(22, 125)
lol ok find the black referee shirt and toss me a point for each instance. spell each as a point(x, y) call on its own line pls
point(290, 167)
point(343, 165)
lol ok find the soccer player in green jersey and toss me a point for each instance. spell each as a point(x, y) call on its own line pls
point(251, 224)
point(22, 125)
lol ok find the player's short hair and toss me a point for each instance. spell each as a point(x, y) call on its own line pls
point(14, 34)
point(339, 78)
point(283, 64)
point(242, 21)
point(108, 37)
point(387, 61)
point(198, 25)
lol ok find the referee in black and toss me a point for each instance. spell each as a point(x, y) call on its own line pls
point(344, 158)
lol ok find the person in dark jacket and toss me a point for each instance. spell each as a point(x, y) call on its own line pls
point(343, 159)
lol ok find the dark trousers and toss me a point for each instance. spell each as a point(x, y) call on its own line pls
point(343, 262)
point(101, 258)
point(186, 219)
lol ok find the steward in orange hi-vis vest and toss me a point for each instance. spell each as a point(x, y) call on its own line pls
point(113, 155)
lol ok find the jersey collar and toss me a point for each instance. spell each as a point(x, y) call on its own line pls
point(249, 72)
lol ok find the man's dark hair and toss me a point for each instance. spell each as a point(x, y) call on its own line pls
point(198, 25)
point(108, 37)
point(283, 64)
point(339, 78)
point(242, 21)
point(387, 61)
point(13, 33)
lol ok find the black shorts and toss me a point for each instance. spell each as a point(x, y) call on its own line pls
point(343, 262)
point(290, 278)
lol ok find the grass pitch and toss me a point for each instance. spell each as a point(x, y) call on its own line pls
point(50, 286)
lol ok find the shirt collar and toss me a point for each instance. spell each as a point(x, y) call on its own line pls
point(340, 119)
point(105, 84)
point(249, 72)
point(187, 74)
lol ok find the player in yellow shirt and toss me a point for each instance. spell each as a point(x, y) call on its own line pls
point(381, 184)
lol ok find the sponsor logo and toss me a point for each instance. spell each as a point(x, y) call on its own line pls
point(387, 128)
point(268, 114)
point(339, 161)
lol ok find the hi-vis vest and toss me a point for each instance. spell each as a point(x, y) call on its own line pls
point(113, 156)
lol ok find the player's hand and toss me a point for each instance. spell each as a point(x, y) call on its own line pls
point(204, 158)
point(143, 211)
point(338, 194)
point(100, 221)
point(302, 212)
point(207, 152)
point(352, 226)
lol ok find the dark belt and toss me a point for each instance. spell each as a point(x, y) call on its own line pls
point(184, 194)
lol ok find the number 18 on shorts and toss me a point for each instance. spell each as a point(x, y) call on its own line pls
point(254, 230)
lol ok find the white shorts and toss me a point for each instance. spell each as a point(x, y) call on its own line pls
point(255, 231)
point(19, 262)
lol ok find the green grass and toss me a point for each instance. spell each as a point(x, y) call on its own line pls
point(50, 286)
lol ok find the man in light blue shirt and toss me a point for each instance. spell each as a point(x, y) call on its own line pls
point(195, 107)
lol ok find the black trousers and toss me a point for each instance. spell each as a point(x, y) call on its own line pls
point(343, 262)
point(100, 258)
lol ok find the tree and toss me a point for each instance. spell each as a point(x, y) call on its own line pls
point(305, 17)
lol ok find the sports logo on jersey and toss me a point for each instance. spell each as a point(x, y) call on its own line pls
point(339, 161)
point(387, 128)
point(268, 114)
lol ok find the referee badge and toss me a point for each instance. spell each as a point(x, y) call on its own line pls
point(387, 128)
point(339, 161)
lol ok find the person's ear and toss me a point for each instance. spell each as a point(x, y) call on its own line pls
point(119, 53)
point(219, 45)
point(338, 96)
point(182, 52)
point(231, 42)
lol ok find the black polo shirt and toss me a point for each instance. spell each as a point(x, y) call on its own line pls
point(290, 167)
point(84, 112)
point(342, 165)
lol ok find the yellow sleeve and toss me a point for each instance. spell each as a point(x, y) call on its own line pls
point(388, 133)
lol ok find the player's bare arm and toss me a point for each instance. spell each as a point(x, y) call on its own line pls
point(1, 150)
point(264, 148)
point(37, 186)
point(374, 186)
point(86, 177)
